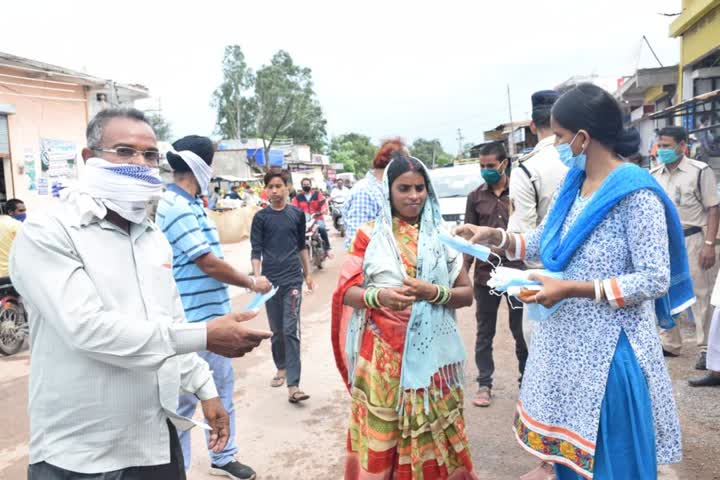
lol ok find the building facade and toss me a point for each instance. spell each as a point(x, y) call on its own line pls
point(44, 110)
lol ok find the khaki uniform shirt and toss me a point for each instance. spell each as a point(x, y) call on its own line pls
point(692, 187)
point(546, 174)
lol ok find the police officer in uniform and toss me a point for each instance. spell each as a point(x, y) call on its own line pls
point(693, 188)
point(535, 178)
point(533, 182)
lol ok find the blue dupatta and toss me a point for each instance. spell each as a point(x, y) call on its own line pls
point(624, 180)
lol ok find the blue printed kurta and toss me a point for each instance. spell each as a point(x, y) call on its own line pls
point(558, 412)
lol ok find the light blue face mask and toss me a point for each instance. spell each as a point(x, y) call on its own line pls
point(568, 158)
point(260, 299)
point(463, 246)
point(537, 312)
point(667, 155)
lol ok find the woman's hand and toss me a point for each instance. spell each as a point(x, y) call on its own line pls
point(552, 292)
point(477, 234)
point(420, 289)
point(395, 298)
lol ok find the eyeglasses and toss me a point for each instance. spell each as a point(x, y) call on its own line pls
point(152, 157)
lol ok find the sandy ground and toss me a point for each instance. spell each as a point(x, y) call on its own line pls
point(284, 441)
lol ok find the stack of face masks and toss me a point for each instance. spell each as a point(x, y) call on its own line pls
point(513, 282)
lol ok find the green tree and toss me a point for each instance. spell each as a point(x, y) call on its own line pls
point(430, 152)
point(161, 126)
point(354, 151)
point(235, 109)
point(286, 105)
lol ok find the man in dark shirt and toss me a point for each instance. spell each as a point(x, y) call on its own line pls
point(279, 253)
point(489, 205)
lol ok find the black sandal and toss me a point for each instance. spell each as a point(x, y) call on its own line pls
point(298, 396)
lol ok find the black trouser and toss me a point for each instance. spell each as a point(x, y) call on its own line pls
point(324, 235)
point(486, 316)
point(283, 311)
point(169, 471)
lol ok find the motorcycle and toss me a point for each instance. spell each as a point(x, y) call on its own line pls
point(336, 206)
point(13, 319)
point(313, 242)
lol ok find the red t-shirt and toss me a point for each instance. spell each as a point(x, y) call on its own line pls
point(312, 203)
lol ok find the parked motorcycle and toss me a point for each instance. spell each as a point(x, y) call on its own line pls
point(13, 319)
point(336, 206)
point(313, 242)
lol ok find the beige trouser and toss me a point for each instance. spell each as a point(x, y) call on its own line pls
point(703, 282)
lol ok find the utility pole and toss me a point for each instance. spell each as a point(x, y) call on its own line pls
point(460, 139)
point(433, 156)
point(511, 139)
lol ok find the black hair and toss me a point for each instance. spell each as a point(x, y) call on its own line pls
point(541, 116)
point(495, 148)
point(590, 108)
point(679, 134)
point(401, 163)
point(217, 189)
point(94, 131)
point(306, 179)
point(202, 146)
point(281, 174)
point(12, 205)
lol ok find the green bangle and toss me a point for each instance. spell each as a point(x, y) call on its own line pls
point(376, 299)
point(445, 296)
point(449, 296)
point(366, 297)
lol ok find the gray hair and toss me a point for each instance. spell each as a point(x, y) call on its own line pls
point(95, 128)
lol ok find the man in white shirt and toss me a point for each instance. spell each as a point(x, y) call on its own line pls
point(109, 343)
point(340, 192)
point(532, 185)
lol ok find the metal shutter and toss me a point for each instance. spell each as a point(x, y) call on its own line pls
point(4, 136)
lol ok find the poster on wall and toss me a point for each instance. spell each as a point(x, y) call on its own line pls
point(58, 159)
point(29, 169)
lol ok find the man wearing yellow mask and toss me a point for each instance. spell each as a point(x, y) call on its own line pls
point(693, 188)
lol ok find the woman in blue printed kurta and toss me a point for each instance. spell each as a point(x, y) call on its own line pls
point(596, 398)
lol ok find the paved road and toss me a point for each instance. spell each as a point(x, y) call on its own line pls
point(283, 441)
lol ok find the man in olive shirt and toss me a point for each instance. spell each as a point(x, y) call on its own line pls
point(693, 188)
point(489, 206)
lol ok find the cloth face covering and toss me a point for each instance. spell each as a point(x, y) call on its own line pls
point(123, 188)
point(201, 170)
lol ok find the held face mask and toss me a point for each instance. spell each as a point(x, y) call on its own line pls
point(480, 252)
point(260, 299)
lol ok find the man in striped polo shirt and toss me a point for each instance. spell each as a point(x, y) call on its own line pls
point(202, 276)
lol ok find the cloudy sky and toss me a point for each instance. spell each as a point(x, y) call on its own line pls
point(382, 68)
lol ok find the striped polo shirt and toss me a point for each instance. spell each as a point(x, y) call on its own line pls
point(192, 234)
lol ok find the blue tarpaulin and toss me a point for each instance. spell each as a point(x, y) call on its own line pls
point(276, 157)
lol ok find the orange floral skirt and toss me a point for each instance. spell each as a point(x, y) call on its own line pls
point(383, 444)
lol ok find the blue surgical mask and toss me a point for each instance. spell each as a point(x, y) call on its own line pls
point(667, 155)
point(20, 216)
point(568, 158)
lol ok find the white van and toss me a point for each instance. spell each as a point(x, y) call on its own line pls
point(453, 185)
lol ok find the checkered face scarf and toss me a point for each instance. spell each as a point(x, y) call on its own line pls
point(123, 188)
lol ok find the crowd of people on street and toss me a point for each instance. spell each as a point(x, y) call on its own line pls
point(140, 314)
